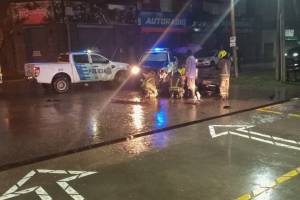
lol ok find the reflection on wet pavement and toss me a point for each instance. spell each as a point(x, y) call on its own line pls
point(161, 117)
point(137, 117)
point(185, 163)
point(35, 124)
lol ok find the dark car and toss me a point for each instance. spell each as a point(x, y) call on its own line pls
point(292, 58)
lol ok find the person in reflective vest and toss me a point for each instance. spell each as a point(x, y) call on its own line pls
point(224, 65)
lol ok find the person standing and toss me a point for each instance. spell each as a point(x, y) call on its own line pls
point(191, 75)
point(224, 67)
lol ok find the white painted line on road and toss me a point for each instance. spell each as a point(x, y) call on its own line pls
point(287, 146)
point(213, 131)
point(46, 171)
point(43, 195)
point(285, 140)
point(246, 130)
point(262, 140)
point(277, 141)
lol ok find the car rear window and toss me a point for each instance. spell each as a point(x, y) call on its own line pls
point(63, 58)
point(81, 58)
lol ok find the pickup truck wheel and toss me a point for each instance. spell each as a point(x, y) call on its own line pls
point(120, 78)
point(61, 84)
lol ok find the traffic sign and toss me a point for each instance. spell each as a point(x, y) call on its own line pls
point(233, 41)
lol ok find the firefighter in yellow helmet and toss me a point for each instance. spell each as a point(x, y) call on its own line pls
point(224, 65)
point(222, 54)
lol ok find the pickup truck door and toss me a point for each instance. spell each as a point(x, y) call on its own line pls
point(83, 67)
point(102, 67)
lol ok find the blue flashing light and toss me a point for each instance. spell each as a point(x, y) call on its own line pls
point(161, 119)
point(159, 49)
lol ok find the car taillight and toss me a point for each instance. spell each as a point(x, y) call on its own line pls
point(36, 71)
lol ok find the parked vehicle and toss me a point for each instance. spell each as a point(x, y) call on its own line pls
point(207, 59)
point(158, 58)
point(76, 67)
point(160, 63)
point(292, 58)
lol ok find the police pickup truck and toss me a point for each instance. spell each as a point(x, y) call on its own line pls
point(76, 67)
point(157, 59)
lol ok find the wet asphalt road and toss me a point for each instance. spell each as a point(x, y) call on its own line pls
point(35, 123)
point(251, 155)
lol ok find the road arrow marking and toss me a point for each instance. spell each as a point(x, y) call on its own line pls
point(63, 183)
point(244, 132)
point(215, 135)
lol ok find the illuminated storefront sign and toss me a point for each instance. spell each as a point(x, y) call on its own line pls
point(159, 22)
point(30, 13)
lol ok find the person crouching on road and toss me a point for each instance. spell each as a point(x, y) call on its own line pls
point(224, 68)
point(177, 82)
point(191, 74)
point(149, 85)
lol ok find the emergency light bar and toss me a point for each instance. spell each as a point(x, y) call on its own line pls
point(158, 50)
point(87, 51)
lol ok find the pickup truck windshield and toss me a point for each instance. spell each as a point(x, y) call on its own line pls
point(155, 57)
point(155, 60)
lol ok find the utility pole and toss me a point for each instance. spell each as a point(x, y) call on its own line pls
point(277, 53)
point(233, 38)
point(66, 10)
point(280, 43)
point(282, 40)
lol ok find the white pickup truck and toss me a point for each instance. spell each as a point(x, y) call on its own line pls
point(80, 67)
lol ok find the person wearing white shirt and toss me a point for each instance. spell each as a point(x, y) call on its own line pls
point(191, 74)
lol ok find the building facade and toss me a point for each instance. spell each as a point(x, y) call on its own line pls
point(38, 30)
point(120, 30)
